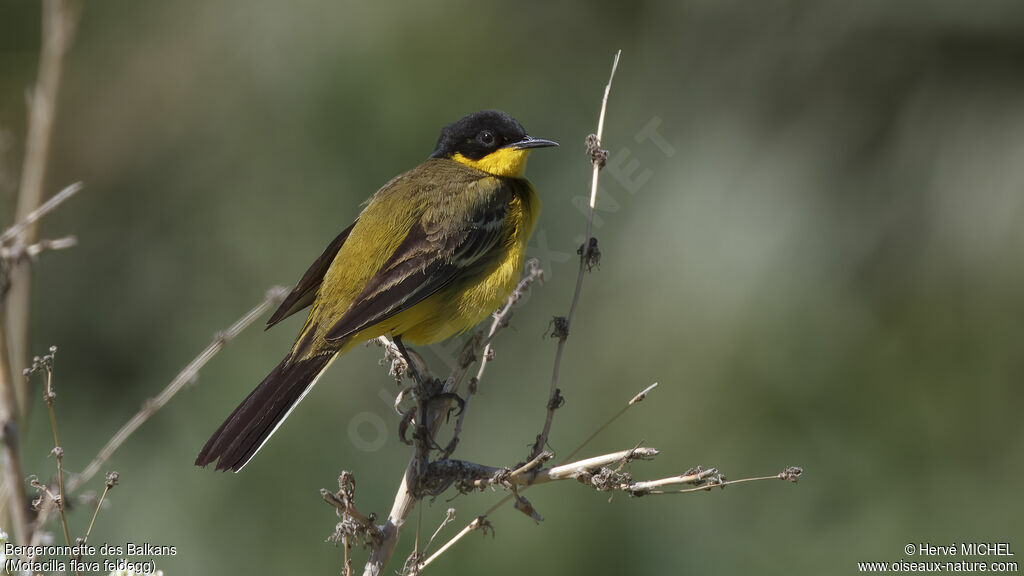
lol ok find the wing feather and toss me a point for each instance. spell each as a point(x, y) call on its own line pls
point(303, 294)
point(432, 255)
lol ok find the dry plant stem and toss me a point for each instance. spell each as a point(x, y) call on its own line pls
point(553, 395)
point(449, 517)
point(32, 217)
point(476, 523)
point(59, 452)
point(791, 474)
point(501, 318)
point(273, 297)
point(638, 398)
point(96, 513)
point(59, 20)
point(537, 461)
point(562, 472)
point(32, 251)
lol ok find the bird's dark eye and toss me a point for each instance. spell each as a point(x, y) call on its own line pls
point(486, 138)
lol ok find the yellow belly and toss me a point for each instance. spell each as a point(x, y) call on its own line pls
point(467, 301)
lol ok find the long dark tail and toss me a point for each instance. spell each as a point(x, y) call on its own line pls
point(263, 410)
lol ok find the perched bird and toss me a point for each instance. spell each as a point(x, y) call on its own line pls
point(434, 252)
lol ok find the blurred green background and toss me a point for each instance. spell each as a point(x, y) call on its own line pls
point(820, 258)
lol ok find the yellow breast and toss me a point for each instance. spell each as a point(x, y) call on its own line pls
point(466, 302)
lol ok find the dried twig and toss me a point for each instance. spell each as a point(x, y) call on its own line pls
point(501, 318)
point(636, 399)
point(449, 517)
point(480, 522)
point(273, 297)
point(46, 363)
point(587, 256)
point(699, 477)
point(32, 251)
point(30, 219)
point(108, 485)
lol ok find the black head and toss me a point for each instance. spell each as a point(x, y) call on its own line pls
point(481, 133)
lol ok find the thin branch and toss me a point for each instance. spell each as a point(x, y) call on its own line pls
point(790, 474)
point(478, 522)
point(696, 475)
point(111, 481)
point(49, 396)
point(587, 252)
point(449, 517)
point(19, 253)
point(32, 217)
point(635, 400)
point(273, 297)
point(533, 273)
point(501, 318)
point(540, 459)
point(474, 475)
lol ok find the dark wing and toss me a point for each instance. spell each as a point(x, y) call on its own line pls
point(431, 256)
point(305, 291)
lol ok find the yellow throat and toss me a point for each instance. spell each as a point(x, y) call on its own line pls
point(503, 162)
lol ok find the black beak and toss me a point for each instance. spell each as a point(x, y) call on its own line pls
point(531, 142)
